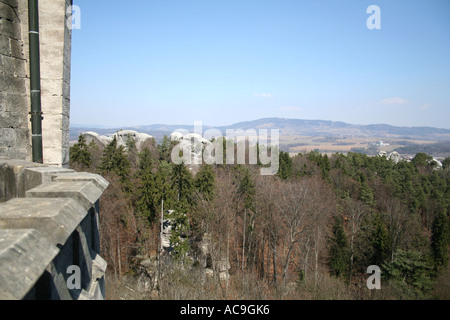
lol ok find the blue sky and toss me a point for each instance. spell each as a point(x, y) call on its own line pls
point(224, 61)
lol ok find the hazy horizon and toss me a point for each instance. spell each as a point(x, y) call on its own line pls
point(101, 126)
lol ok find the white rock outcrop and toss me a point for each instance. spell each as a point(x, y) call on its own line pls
point(194, 143)
point(394, 156)
point(121, 137)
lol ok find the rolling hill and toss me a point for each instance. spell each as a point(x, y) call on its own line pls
point(294, 127)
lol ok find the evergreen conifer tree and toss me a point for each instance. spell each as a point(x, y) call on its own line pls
point(80, 154)
point(379, 240)
point(114, 160)
point(182, 183)
point(165, 149)
point(285, 169)
point(439, 240)
point(339, 250)
point(145, 189)
point(325, 167)
point(247, 189)
point(131, 150)
point(366, 195)
point(204, 181)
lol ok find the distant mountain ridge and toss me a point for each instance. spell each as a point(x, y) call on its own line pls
point(293, 127)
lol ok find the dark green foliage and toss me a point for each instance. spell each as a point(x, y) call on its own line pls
point(339, 250)
point(108, 159)
point(246, 188)
point(163, 188)
point(285, 169)
point(146, 186)
point(439, 240)
point(145, 160)
point(80, 154)
point(182, 184)
point(422, 160)
point(379, 240)
point(325, 167)
point(179, 235)
point(165, 149)
point(114, 160)
point(322, 162)
point(409, 273)
point(446, 163)
point(131, 150)
point(204, 182)
point(366, 195)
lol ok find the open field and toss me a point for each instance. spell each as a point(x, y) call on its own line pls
point(370, 145)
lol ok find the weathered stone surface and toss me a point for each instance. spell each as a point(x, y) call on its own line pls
point(55, 44)
point(55, 219)
point(85, 192)
point(33, 177)
point(82, 176)
point(10, 176)
point(24, 256)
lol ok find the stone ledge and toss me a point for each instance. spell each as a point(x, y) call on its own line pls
point(55, 219)
point(99, 181)
point(10, 176)
point(35, 176)
point(85, 192)
point(22, 261)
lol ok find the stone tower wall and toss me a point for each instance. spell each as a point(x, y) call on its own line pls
point(55, 53)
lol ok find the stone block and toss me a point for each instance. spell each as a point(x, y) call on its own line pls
point(99, 181)
point(8, 136)
point(11, 175)
point(8, 188)
point(10, 28)
point(35, 176)
point(11, 3)
point(12, 84)
point(17, 49)
point(55, 219)
point(5, 47)
point(8, 65)
point(96, 287)
point(16, 102)
point(24, 256)
point(85, 192)
point(7, 12)
point(21, 68)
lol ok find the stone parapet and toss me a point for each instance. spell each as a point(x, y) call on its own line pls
point(49, 227)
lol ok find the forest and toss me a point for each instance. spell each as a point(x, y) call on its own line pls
point(309, 232)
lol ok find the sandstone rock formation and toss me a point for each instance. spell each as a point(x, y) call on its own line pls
point(121, 137)
point(394, 156)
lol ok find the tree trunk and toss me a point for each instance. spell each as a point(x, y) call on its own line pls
point(243, 240)
point(306, 258)
point(316, 251)
point(274, 263)
point(228, 259)
point(286, 263)
point(118, 255)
